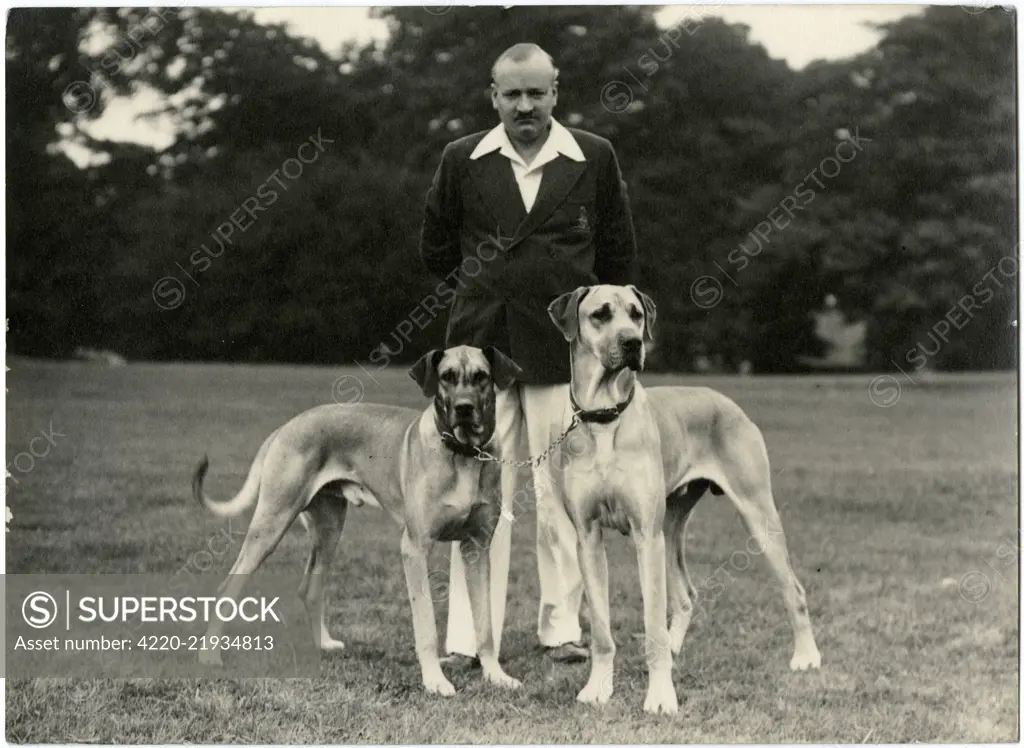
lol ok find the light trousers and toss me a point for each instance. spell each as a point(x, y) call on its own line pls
point(528, 419)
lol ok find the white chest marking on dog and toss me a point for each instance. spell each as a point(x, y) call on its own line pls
point(465, 495)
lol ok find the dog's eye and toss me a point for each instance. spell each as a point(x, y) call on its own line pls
point(448, 377)
point(635, 314)
point(480, 379)
point(602, 315)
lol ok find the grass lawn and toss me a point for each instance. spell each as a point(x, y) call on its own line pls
point(885, 510)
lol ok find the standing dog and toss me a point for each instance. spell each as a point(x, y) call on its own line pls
point(420, 467)
point(652, 455)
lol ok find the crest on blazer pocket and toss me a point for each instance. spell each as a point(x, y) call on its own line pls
point(583, 222)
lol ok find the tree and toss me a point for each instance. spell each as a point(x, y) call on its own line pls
point(717, 142)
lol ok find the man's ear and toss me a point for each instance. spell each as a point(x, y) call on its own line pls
point(650, 311)
point(504, 371)
point(424, 371)
point(564, 312)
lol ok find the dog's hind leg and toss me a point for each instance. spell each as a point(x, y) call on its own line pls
point(282, 497)
point(744, 459)
point(681, 593)
point(324, 520)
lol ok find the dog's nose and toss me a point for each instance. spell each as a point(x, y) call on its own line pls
point(631, 346)
point(464, 410)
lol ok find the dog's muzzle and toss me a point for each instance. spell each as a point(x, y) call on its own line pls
point(467, 423)
point(632, 353)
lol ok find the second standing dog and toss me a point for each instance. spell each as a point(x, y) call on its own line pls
point(650, 456)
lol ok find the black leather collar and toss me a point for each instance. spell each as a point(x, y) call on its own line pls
point(463, 450)
point(454, 445)
point(603, 415)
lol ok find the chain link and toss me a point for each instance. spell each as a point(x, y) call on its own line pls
point(533, 461)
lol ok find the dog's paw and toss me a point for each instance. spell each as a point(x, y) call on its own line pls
point(807, 659)
point(598, 689)
point(331, 645)
point(210, 658)
point(502, 680)
point(440, 686)
point(661, 700)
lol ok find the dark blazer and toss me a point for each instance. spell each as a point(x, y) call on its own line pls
point(506, 265)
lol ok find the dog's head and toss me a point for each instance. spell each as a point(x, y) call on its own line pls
point(610, 323)
point(463, 382)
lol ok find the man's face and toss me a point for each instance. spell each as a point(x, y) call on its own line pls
point(524, 93)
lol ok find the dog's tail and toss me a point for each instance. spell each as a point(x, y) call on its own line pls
point(244, 498)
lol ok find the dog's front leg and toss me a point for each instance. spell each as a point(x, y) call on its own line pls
point(650, 553)
point(594, 570)
point(414, 559)
point(478, 581)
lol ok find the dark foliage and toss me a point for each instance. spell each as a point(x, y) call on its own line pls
point(715, 138)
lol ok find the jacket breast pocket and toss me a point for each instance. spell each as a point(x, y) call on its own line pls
point(579, 215)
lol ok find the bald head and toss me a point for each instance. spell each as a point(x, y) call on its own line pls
point(527, 53)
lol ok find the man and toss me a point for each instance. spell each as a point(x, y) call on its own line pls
point(516, 216)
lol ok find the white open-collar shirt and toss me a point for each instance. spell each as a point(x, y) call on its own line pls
point(560, 142)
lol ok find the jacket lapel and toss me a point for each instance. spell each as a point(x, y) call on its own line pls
point(493, 177)
point(560, 176)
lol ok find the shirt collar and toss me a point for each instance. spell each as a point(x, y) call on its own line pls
point(560, 141)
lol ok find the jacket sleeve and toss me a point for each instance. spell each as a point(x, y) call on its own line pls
point(615, 241)
point(442, 218)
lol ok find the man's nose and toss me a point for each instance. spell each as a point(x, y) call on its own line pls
point(524, 105)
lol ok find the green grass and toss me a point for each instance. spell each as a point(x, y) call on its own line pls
point(880, 506)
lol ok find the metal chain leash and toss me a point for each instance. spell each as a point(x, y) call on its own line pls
point(533, 461)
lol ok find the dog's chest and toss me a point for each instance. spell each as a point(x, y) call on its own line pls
point(613, 477)
point(469, 508)
point(604, 458)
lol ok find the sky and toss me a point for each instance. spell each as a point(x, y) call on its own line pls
point(797, 33)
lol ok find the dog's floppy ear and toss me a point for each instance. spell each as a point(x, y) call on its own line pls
point(564, 312)
point(424, 371)
point(504, 371)
point(650, 311)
